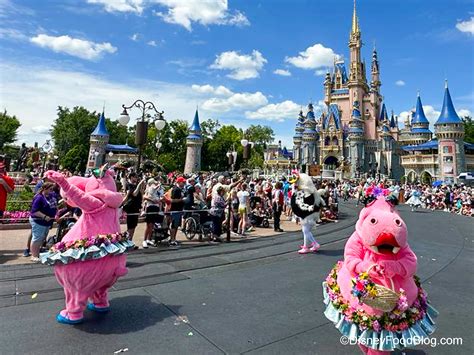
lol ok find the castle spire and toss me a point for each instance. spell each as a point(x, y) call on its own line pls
point(355, 20)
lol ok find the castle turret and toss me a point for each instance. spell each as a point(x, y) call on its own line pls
point(309, 139)
point(450, 132)
point(375, 73)
point(420, 131)
point(327, 88)
point(297, 138)
point(194, 143)
point(356, 140)
point(99, 139)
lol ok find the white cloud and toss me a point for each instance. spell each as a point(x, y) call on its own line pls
point(242, 66)
point(40, 129)
point(464, 112)
point(314, 57)
point(275, 112)
point(13, 34)
point(33, 94)
point(134, 37)
point(282, 72)
point(238, 101)
point(204, 12)
point(135, 6)
point(209, 89)
point(466, 26)
point(320, 72)
point(76, 47)
point(400, 83)
point(152, 43)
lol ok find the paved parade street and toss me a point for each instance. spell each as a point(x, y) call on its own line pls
point(253, 296)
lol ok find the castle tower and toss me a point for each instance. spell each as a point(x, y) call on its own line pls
point(394, 129)
point(297, 138)
point(356, 141)
point(98, 141)
point(309, 152)
point(420, 131)
point(375, 73)
point(194, 143)
point(450, 132)
point(327, 88)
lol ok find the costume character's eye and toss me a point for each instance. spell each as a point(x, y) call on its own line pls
point(373, 221)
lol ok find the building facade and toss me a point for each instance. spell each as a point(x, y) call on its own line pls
point(194, 143)
point(355, 137)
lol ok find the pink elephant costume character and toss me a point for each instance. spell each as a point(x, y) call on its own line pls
point(90, 258)
point(377, 254)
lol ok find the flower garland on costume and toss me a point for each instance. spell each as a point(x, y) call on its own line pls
point(97, 240)
point(372, 192)
point(401, 318)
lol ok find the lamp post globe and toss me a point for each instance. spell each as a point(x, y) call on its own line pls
point(244, 142)
point(124, 118)
point(160, 123)
point(111, 154)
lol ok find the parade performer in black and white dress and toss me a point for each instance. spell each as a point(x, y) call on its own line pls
point(306, 203)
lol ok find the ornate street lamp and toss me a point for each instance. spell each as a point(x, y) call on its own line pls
point(247, 147)
point(142, 123)
point(232, 158)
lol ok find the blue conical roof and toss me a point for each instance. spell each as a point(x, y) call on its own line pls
point(383, 113)
point(419, 116)
point(196, 127)
point(393, 124)
point(448, 113)
point(100, 130)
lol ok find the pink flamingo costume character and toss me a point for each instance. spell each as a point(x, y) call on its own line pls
point(88, 271)
point(378, 251)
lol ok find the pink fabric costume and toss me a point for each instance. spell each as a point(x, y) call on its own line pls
point(99, 201)
point(379, 246)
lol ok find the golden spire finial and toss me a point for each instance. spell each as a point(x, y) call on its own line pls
point(355, 21)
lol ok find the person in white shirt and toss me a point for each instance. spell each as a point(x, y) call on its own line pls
point(244, 201)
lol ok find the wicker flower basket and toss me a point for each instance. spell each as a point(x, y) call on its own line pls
point(385, 300)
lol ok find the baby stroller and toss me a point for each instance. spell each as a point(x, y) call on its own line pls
point(64, 226)
point(259, 220)
point(160, 229)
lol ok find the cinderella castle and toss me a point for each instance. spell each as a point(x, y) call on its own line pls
point(356, 137)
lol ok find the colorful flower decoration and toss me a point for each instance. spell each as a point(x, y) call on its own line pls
point(89, 241)
point(401, 318)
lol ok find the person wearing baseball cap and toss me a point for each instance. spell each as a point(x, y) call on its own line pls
point(7, 185)
point(176, 208)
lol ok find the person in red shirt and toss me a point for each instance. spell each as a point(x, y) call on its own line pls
point(7, 185)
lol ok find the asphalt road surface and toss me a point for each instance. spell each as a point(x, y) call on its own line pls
point(257, 297)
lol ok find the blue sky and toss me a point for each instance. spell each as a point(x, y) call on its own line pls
point(243, 62)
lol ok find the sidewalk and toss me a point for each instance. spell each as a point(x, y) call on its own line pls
point(13, 242)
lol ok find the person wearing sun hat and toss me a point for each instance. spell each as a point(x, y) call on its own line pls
point(7, 185)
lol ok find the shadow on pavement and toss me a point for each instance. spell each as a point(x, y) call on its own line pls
point(336, 252)
point(127, 315)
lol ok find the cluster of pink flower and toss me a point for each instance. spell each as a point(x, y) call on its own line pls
point(90, 241)
point(16, 216)
point(401, 318)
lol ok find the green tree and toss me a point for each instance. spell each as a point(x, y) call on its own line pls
point(225, 138)
point(260, 135)
point(76, 158)
point(8, 128)
point(72, 128)
point(468, 129)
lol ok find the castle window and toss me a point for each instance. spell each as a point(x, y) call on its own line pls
point(326, 140)
point(448, 150)
point(448, 159)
